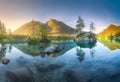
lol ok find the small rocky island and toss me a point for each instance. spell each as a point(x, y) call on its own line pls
point(85, 38)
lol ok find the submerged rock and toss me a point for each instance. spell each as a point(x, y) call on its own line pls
point(42, 68)
point(59, 48)
point(5, 61)
point(42, 53)
point(55, 66)
point(19, 75)
point(50, 67)
point(78, 75)
point(21, 60)
point(52, 50)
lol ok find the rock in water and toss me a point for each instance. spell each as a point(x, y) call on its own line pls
point(85, 39)
point(42, 68)
point(78, 75)
point(19, 75)
point(5, 61)
point(59, 48)
point(50, 50)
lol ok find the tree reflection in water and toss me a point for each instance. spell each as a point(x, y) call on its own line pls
point(80, 53)
point(92, 53)
point(10, 47)
point(3, 49)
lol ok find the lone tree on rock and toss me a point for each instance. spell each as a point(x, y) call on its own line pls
point(92, 27)
point(80, 24)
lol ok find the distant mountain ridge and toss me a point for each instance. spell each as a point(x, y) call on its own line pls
point(112, 29)
point(53, 26)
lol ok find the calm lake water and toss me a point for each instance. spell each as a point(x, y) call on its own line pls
point(99, 63)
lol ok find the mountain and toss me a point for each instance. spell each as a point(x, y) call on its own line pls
point(58, 27)
point(112, 29)
point(28, 28)
point(53, 26)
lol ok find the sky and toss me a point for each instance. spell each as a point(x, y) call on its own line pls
point(15, 13)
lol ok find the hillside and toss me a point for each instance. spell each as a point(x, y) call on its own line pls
point(28, 28)
point(59, 28)
point(54, 28)
point(110, 30)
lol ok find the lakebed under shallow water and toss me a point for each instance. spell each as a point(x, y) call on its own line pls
point(72, 64)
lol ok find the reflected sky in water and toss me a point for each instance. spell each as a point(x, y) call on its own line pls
point(97, 64)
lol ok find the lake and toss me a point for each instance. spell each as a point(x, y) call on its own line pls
point(99, 63)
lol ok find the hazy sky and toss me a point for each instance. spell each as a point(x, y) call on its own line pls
point(14, 13)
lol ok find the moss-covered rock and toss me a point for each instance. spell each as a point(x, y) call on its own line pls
point(85, 38)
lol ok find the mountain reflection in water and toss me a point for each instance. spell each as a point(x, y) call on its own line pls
point(111, 44)
point(73, 64)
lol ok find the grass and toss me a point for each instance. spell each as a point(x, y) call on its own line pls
point(33, 40)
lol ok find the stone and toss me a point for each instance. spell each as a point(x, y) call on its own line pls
point(50, 50)
point(19, 75)
point(50, 67)
point(85, 37)
point(5, 61)
point(42, 68)
point(78, 75)
point(54, 66)
point(59, 48)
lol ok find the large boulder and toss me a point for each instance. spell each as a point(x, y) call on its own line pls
point(85, 39)
point(5, 61)
point(52, 50)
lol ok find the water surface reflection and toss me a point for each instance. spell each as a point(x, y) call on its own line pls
point(73, 64)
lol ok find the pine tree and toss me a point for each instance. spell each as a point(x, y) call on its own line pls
point(92, 27)
point(80, 24)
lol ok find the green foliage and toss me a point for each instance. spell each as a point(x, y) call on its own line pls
point(32, 40)
point(43, 34)
point(92, 35)
point(86, 34)
point(61, 37)
point(5, 41)
point(80, 34)
point(2, 31)
point(111, 44)
point(43, 31)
